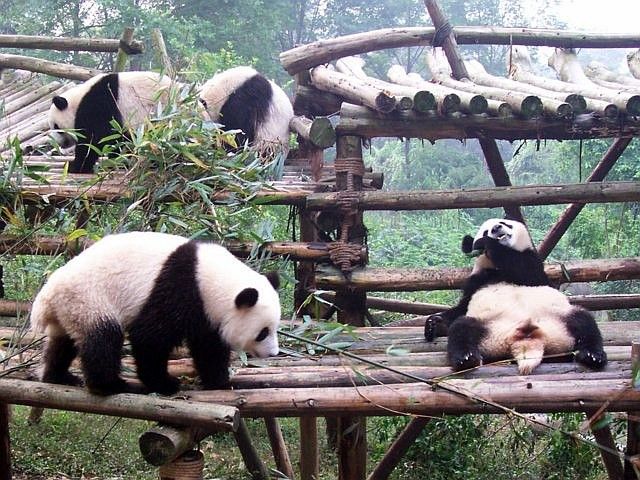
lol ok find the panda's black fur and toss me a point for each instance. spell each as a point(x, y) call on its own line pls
point(502, 265)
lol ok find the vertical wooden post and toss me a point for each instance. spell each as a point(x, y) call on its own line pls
point(352, 431)
point(121, 59)
point(252, 460)
point(5, 443)
point(633, 424)
point(161, 51)
point(398, 448)
point(308, 448)
point(612, 462)
point(278, 446)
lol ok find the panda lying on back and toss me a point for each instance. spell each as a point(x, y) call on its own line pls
point(160, 289)
point(509, 310)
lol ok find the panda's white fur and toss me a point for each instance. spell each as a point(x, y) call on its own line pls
point(525, 323)
point(114, 279)
point(264, 115)
point(89, 106)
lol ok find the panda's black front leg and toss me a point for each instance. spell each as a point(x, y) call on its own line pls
point(437, 324)
point(588, 340)
point(211, 357)
point(463, 348)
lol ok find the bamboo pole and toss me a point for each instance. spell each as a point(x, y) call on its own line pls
point(67, 43)
point(352, 89)
point(309, 465)
point(145, 407)
point(570, 213)
point(376, 279)
point(324, 51)
point(162, 443)
point(278, 446)
point(601, 192)
point(48, 67)
point(5, 442)
point(252, 460)
point(398, 448)
point(319, 131)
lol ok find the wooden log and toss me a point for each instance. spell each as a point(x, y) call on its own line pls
point(400, 306)
point(278, 446)
point(12, 308)
point(34, 95)
point(524, 394)
point(604, 438)
point(5, 442)
point(633, 62)
point(125, 41)
point(528, 106)
point(162, 444)
point(252, 460)
point(48, 67)
point(355, 120)
point(157, 41)
point(145, 407)
point(319, 131)
point(324, 51)
point(570, 213)
point(352, 448)
point(309, 464)
point(352, 89)
point(598, 71)
point(67, 43)
point(398, 448)
point(374, 279)
point(632, 450)
point(601, 192)
point(312, 102)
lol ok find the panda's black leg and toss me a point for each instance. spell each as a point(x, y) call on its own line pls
point(211, 357)
point(463, 348)
point(100, 353)
point(588, 340)
point(58, 355)
point(151, 349)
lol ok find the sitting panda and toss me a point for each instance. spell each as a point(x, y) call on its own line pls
point(509, 309)
point(242, 99)
point(89, 108)
point(160, 289)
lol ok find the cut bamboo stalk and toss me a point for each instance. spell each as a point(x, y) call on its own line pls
point(352, 89)
point(593, 192)
point(252, 461)
point(373, 279)
point(48, 67)
point(145, 407)
point(278, 446)
point(162, 443)
point(67, 43)
point(398, 448)
point(319, 131)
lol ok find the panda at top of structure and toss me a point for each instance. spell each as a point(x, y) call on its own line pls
point(240, 98)
point(160, 289)
point(509, 309)
point(88, 109)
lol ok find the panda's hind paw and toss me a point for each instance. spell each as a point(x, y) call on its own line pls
point(466, 360)
point(595, 359)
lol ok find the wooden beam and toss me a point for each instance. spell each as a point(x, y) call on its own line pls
point(5, 442)
point(380, 279)
point(309, 448)
point(567, 217)
point(631, 469)
point(48, 67)
point(611, 461)
point(145, 407)
point(162, 443)
point(278, 446)
point(324, 51)
point(125, 41)
point(252, 461)
point(600, 192)
point(72, 44)
point(398, 448)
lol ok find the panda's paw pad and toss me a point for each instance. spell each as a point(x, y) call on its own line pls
point(467, 360)
point(431, 327)
point(595, 359)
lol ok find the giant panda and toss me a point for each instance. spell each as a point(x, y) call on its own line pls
point(242, 99)
point(509, 309)
point(89, 108)
point(159, 289)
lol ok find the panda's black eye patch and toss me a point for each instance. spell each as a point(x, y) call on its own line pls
point(263, 334)
point(506, 225)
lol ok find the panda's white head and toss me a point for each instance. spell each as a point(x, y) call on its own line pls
point(242, 304)
point(509, 233)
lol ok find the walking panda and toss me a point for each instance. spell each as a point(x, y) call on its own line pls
point(160, 289)
point(88, 110)
point(509, 309)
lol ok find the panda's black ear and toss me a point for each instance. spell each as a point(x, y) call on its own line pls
point(274, 279)
point(247, 298)
point(60, 103)
point(467, 244)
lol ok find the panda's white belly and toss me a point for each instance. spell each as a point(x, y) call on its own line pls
point(522, 314)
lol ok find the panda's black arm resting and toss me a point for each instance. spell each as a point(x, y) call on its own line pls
point(519, 268)
point(437, 325)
